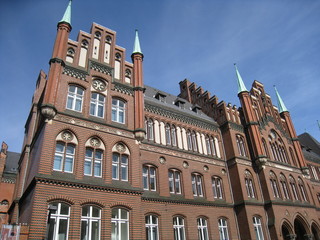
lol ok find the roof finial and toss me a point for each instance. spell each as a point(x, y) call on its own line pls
point(67, 14)
point(136, 46)
point(281, 106)
point(241, 86)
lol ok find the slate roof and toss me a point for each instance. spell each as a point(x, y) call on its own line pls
point(12, 162)
point(310, 147)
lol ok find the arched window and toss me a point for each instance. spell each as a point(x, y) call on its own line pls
point(249, 184)
point(223, 229)
point(149, 178)
point(152, 227)
point(189, 140)
point(174, 181)
point(118, 111)
point(197, 187)
point(265, 147)
point(150, 129)
point(240, 145)
point(97, 105)
point(83, 53)
point(202, 229)
point(90, 223)
point(75, 98)
point(284, 187)
point(120, 162)
point(217, 187)
point(174, 135)
point(119, 224)
point(274, 185)
point(302, 190)
point(293, 188)
point(194, 141)
point(258, 228)
point(277, 147)
point(208, 145)
point(58, 225)
point(94, 157)
point(70, 55)
point(168, 134)
point(179, 228)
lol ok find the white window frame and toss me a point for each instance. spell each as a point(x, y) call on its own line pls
point(202, 229)
point(117, 110)
point(223, 229)
point(197, 187)
point(148, 177)
point(90, 220)
point(119, 221)
point(152, 227)
point(65, 156)
point(179, 228)
point(174, 181)
point(96, 103)
point(93, 161)
point(119, 166)
point(258, 228)
point(217, 187)
point(74, 97)
point(57, 217)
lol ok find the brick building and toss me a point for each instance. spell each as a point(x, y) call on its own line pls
point(106, 156)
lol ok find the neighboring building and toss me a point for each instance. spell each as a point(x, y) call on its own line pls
point(106, 156)
point(8, 173)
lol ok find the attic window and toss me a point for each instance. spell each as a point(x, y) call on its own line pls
point(179, 103)
point(196, 109)
point(161, 97)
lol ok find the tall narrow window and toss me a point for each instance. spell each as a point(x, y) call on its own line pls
point(168, 134)
point(150, 129)
point(92, 163)
point(277, 147)
point(174, 181)
point(119, 167)
point(258, 228)
point(196, 180)
point(174, 136)
point(302, 190)
point(178, 228)
point(208, 145)
point(149, 178)
point(118, 111)
point(75, 98)
point(90, 223)
point(58, 225)
point(97, 105)
point(293, 188)
point(64, 157)
point(223, 229)
point(189, 140)
point(284, 187)
point(202, 229)
point(152, 228)
point(217, 187)
point(265, 147)
point(194, 141)
point(249, 184)
point(240, 145)
point(119, 224)
point(274, 185)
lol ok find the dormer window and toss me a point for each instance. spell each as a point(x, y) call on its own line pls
point(161, 97)
point(196, 108)
point(179, 103)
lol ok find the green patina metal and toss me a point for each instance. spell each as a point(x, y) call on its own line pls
point(67, 14)
point(281, 106)
point(241, 86)
point(136, 46)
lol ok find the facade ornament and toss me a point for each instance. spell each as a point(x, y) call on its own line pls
point(185, 164)
point(162, 160)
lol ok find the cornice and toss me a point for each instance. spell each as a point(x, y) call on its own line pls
point(75, 72)
point(178, 116)
point(237, 127)
point(123, 88)
point(101, 68)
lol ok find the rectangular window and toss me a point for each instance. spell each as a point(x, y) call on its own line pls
point(178, 228)
point(174, 182)
point(258, 228)
point(197, 185)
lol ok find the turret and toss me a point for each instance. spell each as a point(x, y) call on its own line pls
point(137, 59)
point(284, 113)
point(251, 121)
point(57, 64)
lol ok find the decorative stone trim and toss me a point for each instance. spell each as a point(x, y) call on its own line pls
point(60, 198)
point(92, 202)
point(91, 125)
point(101, 68)
point(180, 117)
point(181, 155)
point(74, 72)
point(122, 88)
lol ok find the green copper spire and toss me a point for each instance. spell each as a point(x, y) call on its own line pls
point(136, 46)
point(67, 14)
point(241, 86)
point(281, 106)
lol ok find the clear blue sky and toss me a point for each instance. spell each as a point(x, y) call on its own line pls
point(275, 42)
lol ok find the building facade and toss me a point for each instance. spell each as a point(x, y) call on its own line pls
point(107, 157)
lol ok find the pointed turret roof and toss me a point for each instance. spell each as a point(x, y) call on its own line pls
point(67, 14)
point(241, 86)
point(281, 106)
point(136, 46)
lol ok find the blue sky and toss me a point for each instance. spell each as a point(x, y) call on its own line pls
point(274, 42)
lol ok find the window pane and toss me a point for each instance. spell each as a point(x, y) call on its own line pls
point(124, 173)
point(87, 168)
point(85, 211)
point(124, 231)
point(97, 169)
point(70, 149)
point(52, 225)
point(124, 214)
point(57, 162)
point(63, 227)
point(84, 230)
point(64, 209)
point(95, 231)
point(95, 212)
point(68, 164)
point(114, 231)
